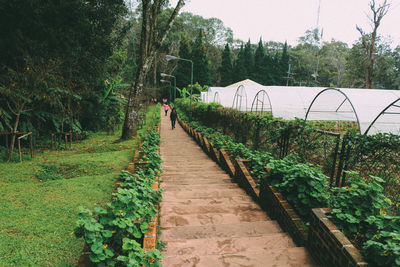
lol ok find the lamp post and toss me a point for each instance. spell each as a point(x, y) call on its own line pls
point(167, 75)
point(168, 58)
point(166, 81)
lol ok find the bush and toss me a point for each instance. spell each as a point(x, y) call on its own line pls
point(383, 248)
point(113, 233)
point(352, 205)
point(302, 186)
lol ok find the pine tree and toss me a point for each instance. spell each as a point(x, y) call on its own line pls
point(239, 72)
point(201, 65)
point(183, 70)
point(268, 67)
point(259, 74)
point(284, 64)
point(248, 60)
point(226, 69)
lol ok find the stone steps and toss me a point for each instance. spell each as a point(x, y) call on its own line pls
point(229, 245)
point(204, 209)
point(206, 220)
point(243, 199)
point(287, 257)
point(173, 220)
point(204, 194)
point(179, 181)
point(168, 186)
point(220, 230)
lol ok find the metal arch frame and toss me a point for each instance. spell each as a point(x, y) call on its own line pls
point(217, 95)
point(347, 98)
point(256, 97)
point(382, 113)
point(241, 96)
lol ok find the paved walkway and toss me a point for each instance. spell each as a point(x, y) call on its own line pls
point(206, 220)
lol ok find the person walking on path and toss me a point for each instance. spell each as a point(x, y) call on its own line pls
point(173, 116)
point(166, 109)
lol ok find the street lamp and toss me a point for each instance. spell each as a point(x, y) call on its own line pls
point(166, 81)
point(167, 75)
point(168, 58)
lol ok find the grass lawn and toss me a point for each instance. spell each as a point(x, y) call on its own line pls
point(38, 214)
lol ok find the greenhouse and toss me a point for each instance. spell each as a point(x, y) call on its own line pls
point(369, 111)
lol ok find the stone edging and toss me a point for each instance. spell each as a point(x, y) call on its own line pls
point(324, 241)
point(150, 238)
point(226, 163)
point(279, 209)
point(327, 244)
point(244, 179)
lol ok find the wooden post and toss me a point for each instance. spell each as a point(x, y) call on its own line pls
point(66, 140)
point(6, 144)
point(31, 144)
point(52, 141)
point(19, 150)
point(70, 140)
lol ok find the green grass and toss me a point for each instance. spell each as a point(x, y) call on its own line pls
point(38, 211)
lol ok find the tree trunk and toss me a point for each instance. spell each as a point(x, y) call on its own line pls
point(133, 106)
point(149, 45)
point(14, 135)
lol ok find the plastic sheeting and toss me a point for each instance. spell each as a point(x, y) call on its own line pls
point(374, 110)
point(365, 106)
point(221, 95)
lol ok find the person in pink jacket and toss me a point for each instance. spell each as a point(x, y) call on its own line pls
point(166, 109)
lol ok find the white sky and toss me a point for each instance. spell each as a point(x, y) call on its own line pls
point(280, 20)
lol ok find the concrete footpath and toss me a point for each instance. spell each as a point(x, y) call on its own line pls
point(206, 220)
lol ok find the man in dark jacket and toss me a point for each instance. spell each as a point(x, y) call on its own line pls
point(173, 116)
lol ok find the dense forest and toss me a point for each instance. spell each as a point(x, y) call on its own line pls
point(313, 61)
point(68, 65)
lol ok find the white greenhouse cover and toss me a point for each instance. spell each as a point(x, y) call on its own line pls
point(381, 108)
point(290, 102)
point(360, 105)
point(221, 95)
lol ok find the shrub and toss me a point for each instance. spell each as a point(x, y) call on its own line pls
point(114, 233)
point(352, 205)
point(301, 185)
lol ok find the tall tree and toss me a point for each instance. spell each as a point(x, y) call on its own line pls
point(258, 74)
point(248, 60)
point(368, 39)
point(226, 68)
point(268, 66)
point(283, 65)
point(333, 63)
point(51, 51)
point(201, 65)
point(150, 43)
point(182, 72)
point(354, 75)
point(239, 70)
point(396, 59)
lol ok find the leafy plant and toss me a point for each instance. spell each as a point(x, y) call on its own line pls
point(383, 247)
point(48, 172)
point(114, 232)
point(352, 205)
point(301, 185)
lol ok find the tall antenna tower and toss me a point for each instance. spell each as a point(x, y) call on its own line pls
point(319, 35)
point(319, 11)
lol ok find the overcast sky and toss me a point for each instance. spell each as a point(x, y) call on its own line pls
point(280, 20)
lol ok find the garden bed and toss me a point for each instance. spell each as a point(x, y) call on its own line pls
point(333, 248)
point(124, 232)
point(328, 245)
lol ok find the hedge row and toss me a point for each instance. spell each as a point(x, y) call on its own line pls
point(114, 233)
point(358, 209)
